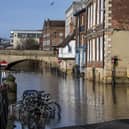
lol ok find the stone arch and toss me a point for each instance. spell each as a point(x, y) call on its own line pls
point(18, 61)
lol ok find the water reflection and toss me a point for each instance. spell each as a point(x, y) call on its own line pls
point(72, 101)
point(81, 101)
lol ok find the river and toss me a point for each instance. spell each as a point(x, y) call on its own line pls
point(81, 101)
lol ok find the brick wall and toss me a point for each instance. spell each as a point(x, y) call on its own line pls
point(120, 14)
point(55, 35)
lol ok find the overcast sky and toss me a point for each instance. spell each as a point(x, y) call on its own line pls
point(29, 14)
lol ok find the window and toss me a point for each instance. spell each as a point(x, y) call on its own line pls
point(98, 12)
point(55, 34)
point(39, 35)
point(94, 14)
point(102, 11)
point(88, 17)
point(82, 20)
point(101, 48)
point(93, 43)
point(31, 35)
point(91, 16)
point(95, 50)
point(88, 52)
point(98, 49)
point(82, 39)
point(61, 34)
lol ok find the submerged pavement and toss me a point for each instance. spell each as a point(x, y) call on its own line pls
point(115, 124)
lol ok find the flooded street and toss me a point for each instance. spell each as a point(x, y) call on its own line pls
point(81, 101)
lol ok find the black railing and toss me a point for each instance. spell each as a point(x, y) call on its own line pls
point(3, 107)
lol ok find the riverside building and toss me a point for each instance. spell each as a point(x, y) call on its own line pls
point(53, 33)
point(106, 36)
point(67, 48)
point(17, 36)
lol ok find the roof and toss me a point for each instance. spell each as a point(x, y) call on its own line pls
point(80, 11)
point(26, 31)
point(75, 5)
point(54, 23)
point(67, 40)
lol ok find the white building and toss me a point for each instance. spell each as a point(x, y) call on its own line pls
point(69, 18)
point(17, 36)
point(67, 49)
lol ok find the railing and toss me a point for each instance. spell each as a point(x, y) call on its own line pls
point(3, 107)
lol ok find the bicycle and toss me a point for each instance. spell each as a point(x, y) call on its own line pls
point(37, 108)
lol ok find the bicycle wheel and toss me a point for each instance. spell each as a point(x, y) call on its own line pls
point(32, 124)
point(55, 110)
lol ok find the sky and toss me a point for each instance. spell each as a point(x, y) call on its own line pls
point(29, 14)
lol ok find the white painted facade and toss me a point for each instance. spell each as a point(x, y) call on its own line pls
point(68, 51)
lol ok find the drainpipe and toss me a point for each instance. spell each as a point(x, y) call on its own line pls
point(78, 47)
point(0, 77)
point(86, 16)
point(80, 50)
point(103, 31)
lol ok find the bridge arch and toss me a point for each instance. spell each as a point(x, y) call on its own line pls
point(11, 64)
point(14, 56)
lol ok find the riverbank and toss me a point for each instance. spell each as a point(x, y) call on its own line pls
point(115, 124)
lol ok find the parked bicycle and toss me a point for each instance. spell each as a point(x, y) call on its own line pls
point(37, 108)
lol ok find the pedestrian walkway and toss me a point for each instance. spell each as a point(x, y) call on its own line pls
point(115, 124)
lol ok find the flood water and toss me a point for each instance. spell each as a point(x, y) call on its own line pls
point(81, 101)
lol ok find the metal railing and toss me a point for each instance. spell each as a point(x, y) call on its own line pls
point(3, 107)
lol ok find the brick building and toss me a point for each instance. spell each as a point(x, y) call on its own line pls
point(53, 33)
point(106, 36)
point(95, 33)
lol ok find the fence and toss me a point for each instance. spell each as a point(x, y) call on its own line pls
point(3, 107)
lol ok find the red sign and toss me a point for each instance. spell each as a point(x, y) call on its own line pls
point(3, 63)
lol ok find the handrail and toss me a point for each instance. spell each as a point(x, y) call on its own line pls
point(3, 106)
